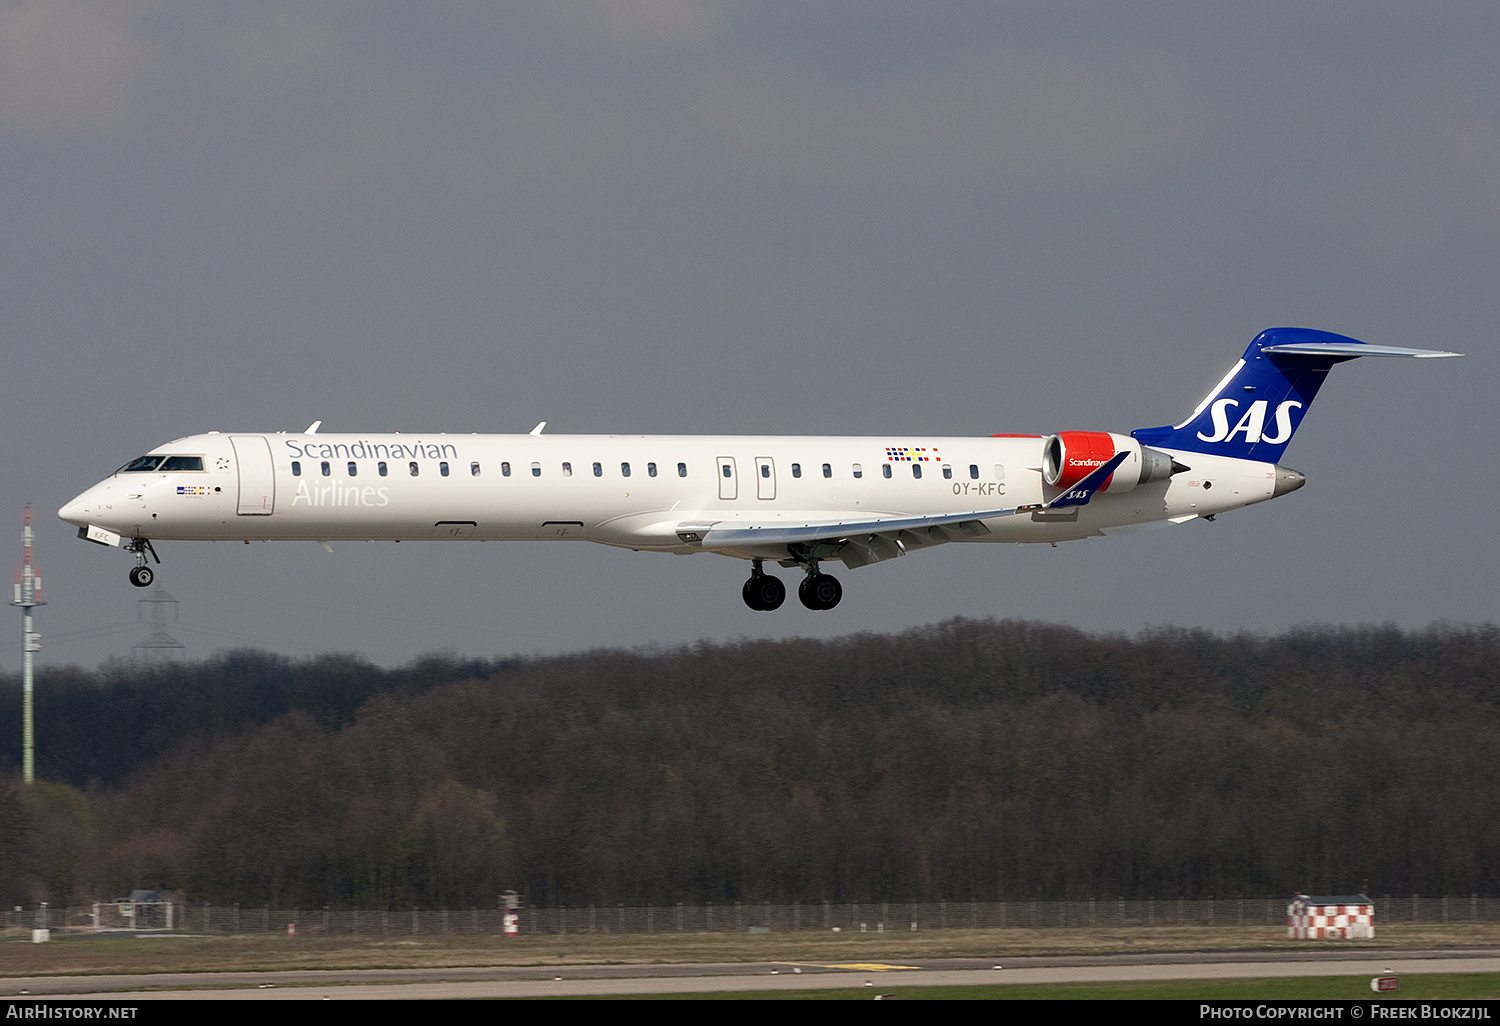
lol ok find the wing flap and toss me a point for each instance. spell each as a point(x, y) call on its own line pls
point(861, 542)
point(723, 535)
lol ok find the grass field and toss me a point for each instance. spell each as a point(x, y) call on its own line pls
point(94, 954)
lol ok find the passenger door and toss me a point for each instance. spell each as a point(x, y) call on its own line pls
point(257, 474)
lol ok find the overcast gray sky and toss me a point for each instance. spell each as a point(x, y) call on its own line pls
point(700, 217)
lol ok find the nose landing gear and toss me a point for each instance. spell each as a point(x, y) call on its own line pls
point(142, 575)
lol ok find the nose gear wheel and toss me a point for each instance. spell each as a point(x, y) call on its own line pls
point(142, 575)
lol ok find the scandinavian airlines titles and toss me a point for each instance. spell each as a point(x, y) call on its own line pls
point(1252, 423)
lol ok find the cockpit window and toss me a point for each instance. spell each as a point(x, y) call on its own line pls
point(165, 464)
point(135, 466)
point(182, 463)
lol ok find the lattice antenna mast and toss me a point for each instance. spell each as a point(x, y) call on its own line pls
point(159, 644)
point(28, 597)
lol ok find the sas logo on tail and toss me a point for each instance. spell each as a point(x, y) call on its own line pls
point(1252, 423)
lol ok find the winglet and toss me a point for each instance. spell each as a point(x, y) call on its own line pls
point(312, 428)
point(538, 429)
point(1083, 491)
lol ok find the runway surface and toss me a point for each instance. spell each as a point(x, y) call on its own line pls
point(607, 980)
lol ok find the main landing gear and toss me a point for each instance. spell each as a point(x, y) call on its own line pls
point(817, 590)
point(762, 591)
point(141, 575)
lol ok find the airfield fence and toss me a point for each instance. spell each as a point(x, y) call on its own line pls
point(186, 917)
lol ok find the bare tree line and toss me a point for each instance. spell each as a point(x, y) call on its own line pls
point(966, 761)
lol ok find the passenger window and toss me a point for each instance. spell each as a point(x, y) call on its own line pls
point(326, 469)
point(651, 470)
point(296, 469)
point(624, 469)
point(353, 469)
point(728, 470)
point(765, 470)
point(828, 470)
point(505, 468)
point(443, 468)
point(885, 469)
point(682, 470)
point(916, 470)
point(413, 467)
point(947, 471)
point(536, 470)
point(796, 470)
point(473, 470)
point(974, 471)
point(383, 469)
point(999, 472)
point(858, 471)
point(567, 470)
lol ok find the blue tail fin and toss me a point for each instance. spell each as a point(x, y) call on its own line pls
point(1253, 412)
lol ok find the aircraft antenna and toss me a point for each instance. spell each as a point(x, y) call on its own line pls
point(28, 596)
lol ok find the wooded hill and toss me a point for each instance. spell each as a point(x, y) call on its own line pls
point(971, 759)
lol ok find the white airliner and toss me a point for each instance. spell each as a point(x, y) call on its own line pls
point(796, 501)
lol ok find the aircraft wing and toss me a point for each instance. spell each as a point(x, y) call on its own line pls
point(859, 542)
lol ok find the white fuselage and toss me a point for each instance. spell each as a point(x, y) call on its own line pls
point(634, 491)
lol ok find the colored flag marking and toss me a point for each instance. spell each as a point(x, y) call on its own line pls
point(908, 454)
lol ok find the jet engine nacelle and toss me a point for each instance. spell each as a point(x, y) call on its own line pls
point(1070, 456)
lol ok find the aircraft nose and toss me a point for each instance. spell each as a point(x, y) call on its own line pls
point(77, 511)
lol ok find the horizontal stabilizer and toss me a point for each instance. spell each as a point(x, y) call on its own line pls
point(1354, 349)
